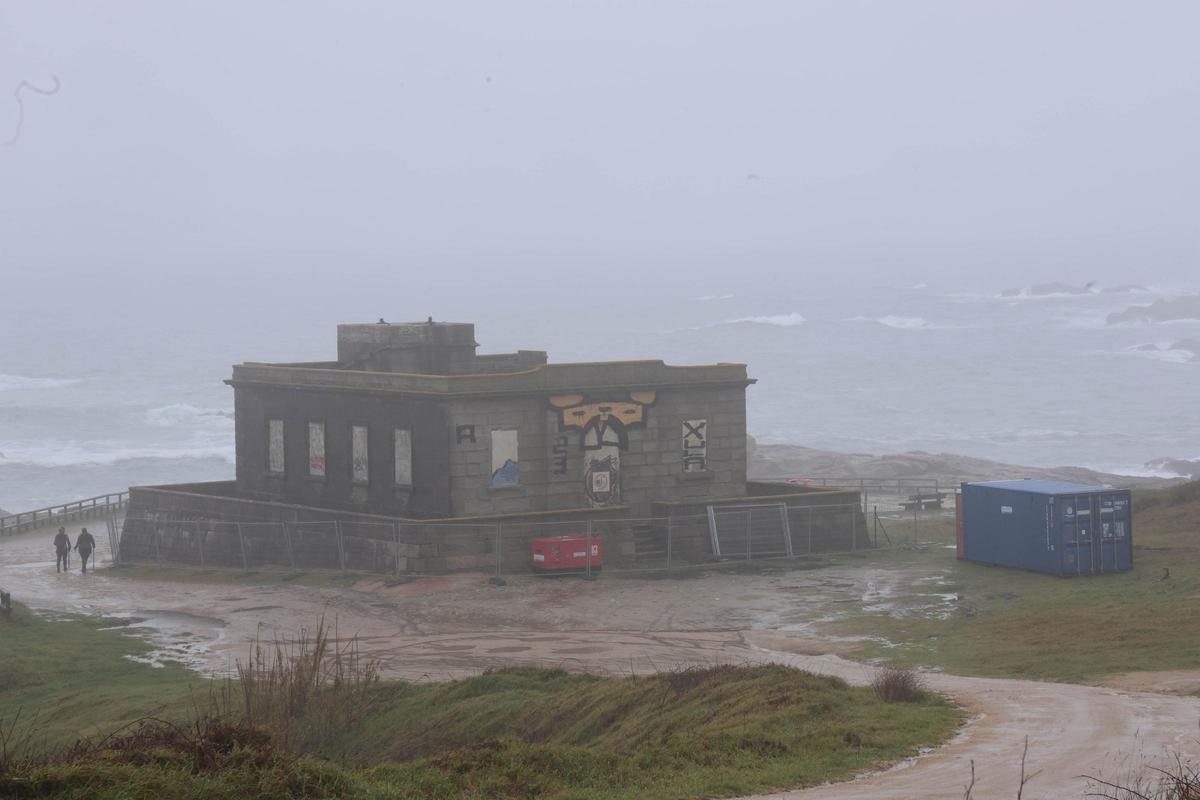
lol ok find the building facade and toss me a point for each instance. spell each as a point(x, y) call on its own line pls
point(410, 421)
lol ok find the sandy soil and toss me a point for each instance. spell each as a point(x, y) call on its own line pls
point(445, 627)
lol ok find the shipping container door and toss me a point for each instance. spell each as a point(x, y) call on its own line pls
point(1086, 517)
point(958, 516)
point(1113, 528)
point(1075, 524)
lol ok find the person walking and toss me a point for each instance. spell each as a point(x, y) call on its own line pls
point(62, 549)
point(85, 543)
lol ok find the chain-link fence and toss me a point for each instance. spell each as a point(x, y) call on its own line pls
point(751, 532)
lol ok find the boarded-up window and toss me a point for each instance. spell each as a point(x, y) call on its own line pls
point(505, 466)
point(695, 445)
point(402, 453)
point(275, 446)
point(358, 454)
point(316, 449)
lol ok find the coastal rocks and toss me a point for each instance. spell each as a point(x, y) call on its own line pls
point(1049, 289)
point(1179, 466)
point(791, 461)
point(1183, 351)
point(1163, 310)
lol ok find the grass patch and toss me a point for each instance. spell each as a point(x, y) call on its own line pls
point(1013, 623)
point(69, 677)
point(519, 733)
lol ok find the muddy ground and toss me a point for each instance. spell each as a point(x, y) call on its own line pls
point(452, 626)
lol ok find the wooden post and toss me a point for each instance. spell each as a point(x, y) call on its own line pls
point(287, 535)
point(396, 536)
point(341, 547)
point(242, 541)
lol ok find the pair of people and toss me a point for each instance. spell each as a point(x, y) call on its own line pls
point(85, 543)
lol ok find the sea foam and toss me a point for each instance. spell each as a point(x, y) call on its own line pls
point(904, 323)
point(19, 382)
point(67, 454)
point(780, 320)
point(187, 414)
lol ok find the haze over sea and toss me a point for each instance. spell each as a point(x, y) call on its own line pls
point(98, 392)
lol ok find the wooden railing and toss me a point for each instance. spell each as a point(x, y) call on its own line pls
point(56, 515)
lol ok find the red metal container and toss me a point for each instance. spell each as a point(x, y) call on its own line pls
point(566, 553)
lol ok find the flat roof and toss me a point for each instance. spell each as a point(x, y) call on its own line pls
point(1044, 487)
point(560, 378)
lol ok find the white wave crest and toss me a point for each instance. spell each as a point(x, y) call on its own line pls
point(17, 382)
point(1163, 351)
point(781, 320)
point(186, 414)
point(707, 297)
point(67, 454)
point(904, 323)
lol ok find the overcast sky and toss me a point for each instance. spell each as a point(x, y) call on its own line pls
point(1046, 139)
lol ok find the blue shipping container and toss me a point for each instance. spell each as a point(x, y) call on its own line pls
point(1046, 526)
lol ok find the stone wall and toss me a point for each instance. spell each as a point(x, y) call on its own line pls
point(552, 458)
point(427, 496)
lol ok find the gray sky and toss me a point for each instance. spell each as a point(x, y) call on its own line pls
point(1041, 140)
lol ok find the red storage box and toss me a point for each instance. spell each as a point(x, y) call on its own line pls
point(566, 553)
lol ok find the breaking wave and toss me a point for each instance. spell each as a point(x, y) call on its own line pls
point(1166, 351)
point(67, 454)
point(185, 414)
point(17, 382)
point(780, 320)
point(904, 323)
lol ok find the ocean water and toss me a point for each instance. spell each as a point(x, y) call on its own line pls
point(116, 383)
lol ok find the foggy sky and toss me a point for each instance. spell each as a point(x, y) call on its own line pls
point(1033, 139)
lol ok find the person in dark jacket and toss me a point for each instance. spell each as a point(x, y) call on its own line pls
point(85, 543)
point(62, 547)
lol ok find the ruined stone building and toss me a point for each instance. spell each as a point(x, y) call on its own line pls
point(411, 421)
point(413, 452)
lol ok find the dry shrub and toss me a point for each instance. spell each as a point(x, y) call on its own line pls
point(307, 691)
point(898, 685)
point(1179, 780)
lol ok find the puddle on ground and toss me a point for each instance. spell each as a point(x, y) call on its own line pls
point(175, 637)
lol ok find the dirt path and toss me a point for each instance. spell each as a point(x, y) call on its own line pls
point(1073, 730)
point(447, 627)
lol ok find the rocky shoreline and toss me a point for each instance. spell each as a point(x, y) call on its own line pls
point(792, 461)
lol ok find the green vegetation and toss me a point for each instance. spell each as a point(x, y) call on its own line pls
point(70, 677)
point(1013, 623)
point(520, 733)
point(696, 733)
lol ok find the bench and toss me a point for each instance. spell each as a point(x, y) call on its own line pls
point(923, 501)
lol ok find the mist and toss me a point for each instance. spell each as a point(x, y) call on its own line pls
point(1003, 142)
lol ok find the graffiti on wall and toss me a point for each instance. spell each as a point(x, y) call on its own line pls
point(695, 445)
point(316, 449)
point(505, 464)
point(604, 427)
point(358, 454)
point(402, 456)
point(275, 445)
point(558, 455)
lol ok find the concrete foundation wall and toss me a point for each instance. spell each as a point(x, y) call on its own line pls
point(204, 525)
